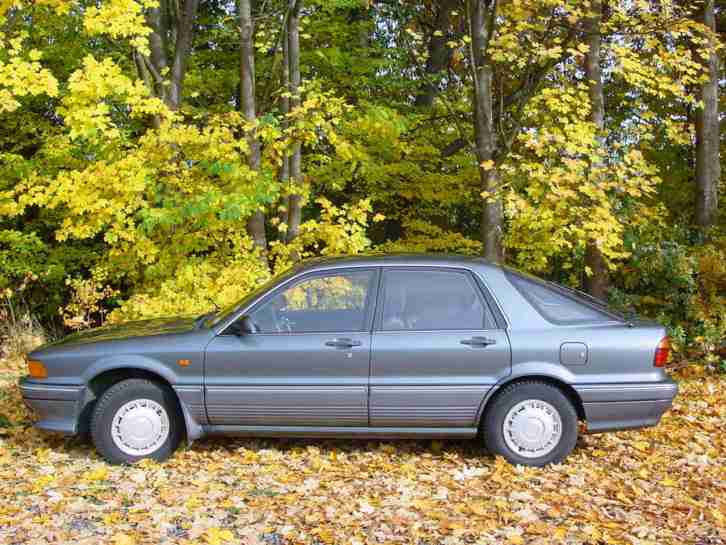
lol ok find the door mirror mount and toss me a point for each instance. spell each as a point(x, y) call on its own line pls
point(243, 326)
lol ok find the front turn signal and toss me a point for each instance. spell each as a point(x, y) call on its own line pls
point(36, 369)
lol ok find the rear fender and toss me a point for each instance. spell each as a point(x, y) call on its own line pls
point(535, 370)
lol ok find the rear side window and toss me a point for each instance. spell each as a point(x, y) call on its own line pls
point(555, 304)
point(426, 300)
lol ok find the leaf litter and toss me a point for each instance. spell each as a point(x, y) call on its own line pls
point(663, 485)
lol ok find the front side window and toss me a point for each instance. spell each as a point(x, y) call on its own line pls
point(554, 303)
point(332, 302)
point(432, 300)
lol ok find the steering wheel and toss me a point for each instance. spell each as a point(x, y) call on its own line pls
point(284, 325)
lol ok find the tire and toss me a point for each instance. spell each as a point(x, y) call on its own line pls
point(532, 426)
point(147, 407)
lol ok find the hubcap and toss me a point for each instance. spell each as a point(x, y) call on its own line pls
point(140, 427)
point(532, 428)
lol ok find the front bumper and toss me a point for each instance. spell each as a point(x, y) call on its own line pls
point(611, 407)
point(57, 406)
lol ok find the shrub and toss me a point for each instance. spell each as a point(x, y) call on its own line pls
point(684, 287)
point(20, 331)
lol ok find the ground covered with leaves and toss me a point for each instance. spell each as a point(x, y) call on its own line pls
point(655, 486)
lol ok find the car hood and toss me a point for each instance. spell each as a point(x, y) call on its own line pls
point(127, 330)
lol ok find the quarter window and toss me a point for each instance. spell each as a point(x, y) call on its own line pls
point(554, 306)
point(432, 300)
point(334, 302)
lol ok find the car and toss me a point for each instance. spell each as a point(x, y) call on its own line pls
point(377, 346)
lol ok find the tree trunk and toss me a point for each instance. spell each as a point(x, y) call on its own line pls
point(708, 166)
point(256, 222)
point(184, 35)
point(284, 173)
point(158, 58)
point(439, 54)
point(182, 31)
point(596, 283)
point(293, 50)
point(481, 18)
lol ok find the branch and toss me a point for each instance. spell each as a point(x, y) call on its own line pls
point(527, 90)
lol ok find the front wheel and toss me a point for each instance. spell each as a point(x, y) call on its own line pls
point(136, 419)
point(531, 423)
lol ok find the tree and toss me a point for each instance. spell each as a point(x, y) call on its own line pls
point(256, 222)
point(482, 14)
point(169, 23)
point(439, 54)
point(457, 126)
point(295, 160)
point(597, 281)
point(708, 165)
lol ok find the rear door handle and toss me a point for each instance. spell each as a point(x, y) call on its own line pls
point(342, 343)
point(478, 341)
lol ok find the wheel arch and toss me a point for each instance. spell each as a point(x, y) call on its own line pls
point(555, 381)
point(105, 378)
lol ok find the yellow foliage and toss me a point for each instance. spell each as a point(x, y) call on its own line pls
point(196, 287)
point(339, 231)
point(708, 302)
point(22, 74)
point(93, 88)
point(420, 236)
point(570, 189)
point(87, 296)
point(120, 19)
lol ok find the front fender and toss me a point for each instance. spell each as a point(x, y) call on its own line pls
point(189, 396)
point(129, 361)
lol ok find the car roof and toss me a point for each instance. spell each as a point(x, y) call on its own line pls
point(397, 259)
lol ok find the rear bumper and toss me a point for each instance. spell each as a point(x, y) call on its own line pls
point(57, 406)
point(610, 407)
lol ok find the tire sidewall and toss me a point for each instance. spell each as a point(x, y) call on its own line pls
point(113, 399)
point(508, 398)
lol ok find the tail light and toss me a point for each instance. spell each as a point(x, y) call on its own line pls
point(662, 352)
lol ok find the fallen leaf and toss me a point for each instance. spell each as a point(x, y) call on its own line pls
point(123, 539)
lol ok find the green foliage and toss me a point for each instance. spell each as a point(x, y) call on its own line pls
point(112, 202)
point(681, 285)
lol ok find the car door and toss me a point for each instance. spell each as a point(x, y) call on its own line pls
point(307, 363)
point(437, 349)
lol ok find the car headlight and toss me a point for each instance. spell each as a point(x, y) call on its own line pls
point(36, 369)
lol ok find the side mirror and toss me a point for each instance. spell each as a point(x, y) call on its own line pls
point(243, 326)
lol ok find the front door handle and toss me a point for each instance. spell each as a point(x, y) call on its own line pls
point(478, 341)
point(342, 343)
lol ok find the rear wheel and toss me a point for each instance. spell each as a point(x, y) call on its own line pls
point(136, 419)
point(531, 423)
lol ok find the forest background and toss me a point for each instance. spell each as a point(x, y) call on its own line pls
point(165, 156)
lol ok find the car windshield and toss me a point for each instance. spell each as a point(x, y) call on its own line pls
point(213, 318)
